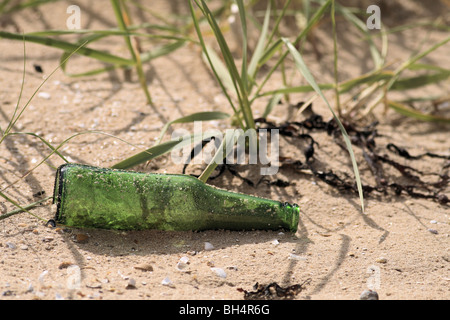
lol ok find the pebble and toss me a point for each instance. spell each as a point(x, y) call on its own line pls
point(48, 239)
point(11, 245)
point(94, 285)
point(44, 95)
point(275, 242)
point(58, 296)
point(144, 267)
point(381, 260)
point(122, 275)
point(42, 276)
point(296, 257)
point(131, 284)
point(182, 265)
point(7, 293)
point(368, 295)
point(30, 288)
point(434, 231)
point(73, 277)
point(81, 238)
point(208, 246)
point(184, 259)
point(219, 272)
point(167, 282)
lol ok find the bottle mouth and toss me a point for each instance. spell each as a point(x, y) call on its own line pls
point(293, 215)
point(58, 194)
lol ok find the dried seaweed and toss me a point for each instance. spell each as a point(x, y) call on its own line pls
point(273, 291)
point(416, 185)
point(365, 139)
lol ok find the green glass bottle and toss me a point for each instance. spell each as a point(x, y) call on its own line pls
point(93, 197)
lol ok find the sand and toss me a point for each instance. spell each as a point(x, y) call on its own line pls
point(399, 247)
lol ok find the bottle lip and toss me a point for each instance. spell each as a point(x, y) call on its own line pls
point(295, 215)
point(58, 190)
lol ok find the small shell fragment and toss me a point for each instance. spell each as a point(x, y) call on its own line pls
point(131, 284)
point(296, 257)
point(167, 282)
point(369, 295)
point(381, 260)
point(219, 272)
point(44, 95)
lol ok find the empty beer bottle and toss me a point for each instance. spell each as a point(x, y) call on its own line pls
point(93, 197)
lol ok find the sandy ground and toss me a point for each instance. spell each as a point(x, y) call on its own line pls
point(399, 247)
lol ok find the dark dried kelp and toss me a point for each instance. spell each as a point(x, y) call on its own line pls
point(414, 183)
point(273, 291)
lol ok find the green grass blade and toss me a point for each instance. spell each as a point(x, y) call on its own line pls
point(335, 58)
point(69, 47)
point(223, 76)
point(420, 81)
point(413, 60)
point(162, 50)
point(406, 65)
point(362, 27)
point(120, 10)
point(259, 49)
point(280, 17)
point(199, 116)
point(240, 88)
point(412, 113)
point(426, 66)
point(301, 66)
point(14, 120)
point(243, 20)
point(299, 89)
point(271, 104)
point(269, 52)
point(220, 72)
point(161, 149)
point(366, 79)
point(271, 47)
point(20, 5)
point(24, 209)
point(370, 78)
point(145, 57)
point(109, 32)
point(54, 150)
point(147, 155)
point(311, 23)
point(83, 41)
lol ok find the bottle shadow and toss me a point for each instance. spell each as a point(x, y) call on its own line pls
point(157, 242)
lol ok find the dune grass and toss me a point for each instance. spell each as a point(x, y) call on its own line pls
point(242, 82)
